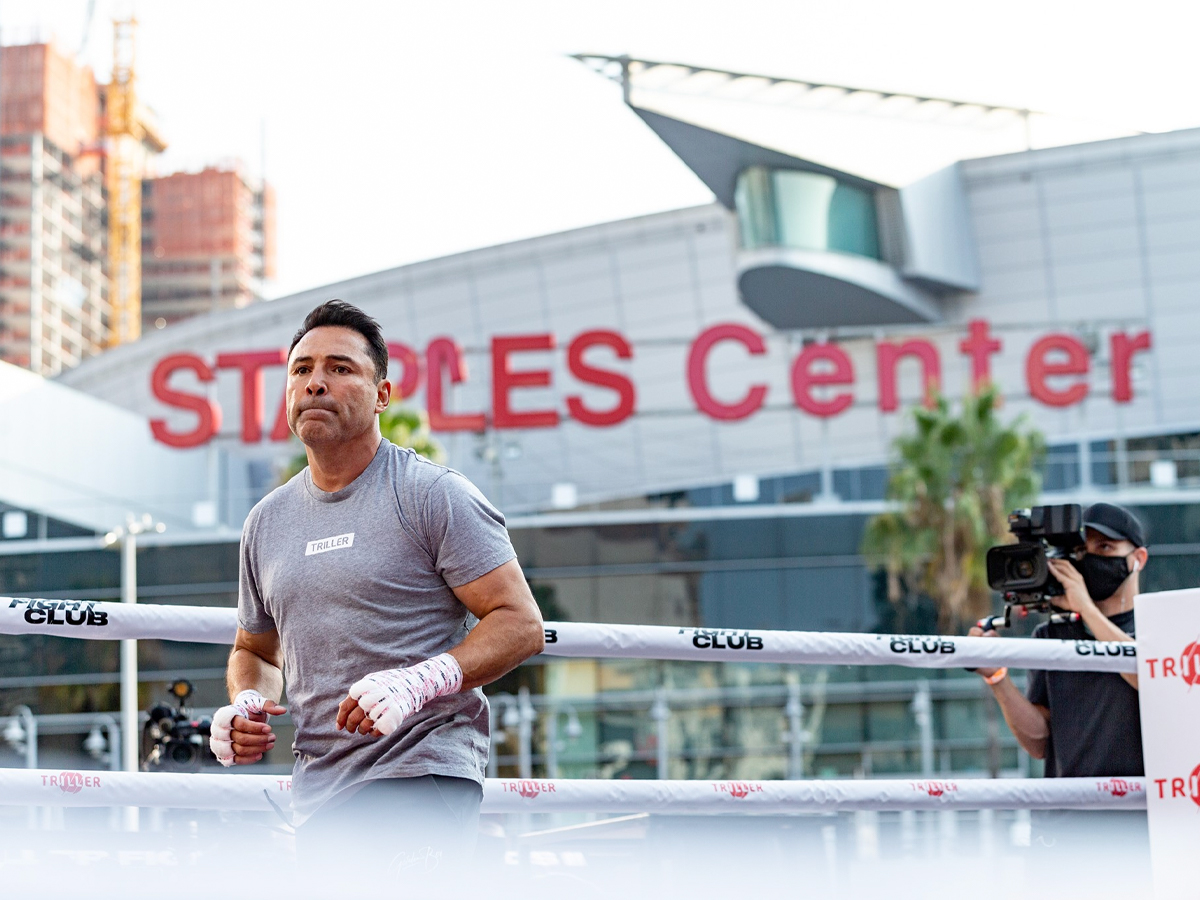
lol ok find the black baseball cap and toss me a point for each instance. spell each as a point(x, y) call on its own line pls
point(1115, 522)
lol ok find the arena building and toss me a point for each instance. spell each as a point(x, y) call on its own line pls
point(686, 419)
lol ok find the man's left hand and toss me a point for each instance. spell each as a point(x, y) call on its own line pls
point(380, 702)
point(353, 718)
point(1075, 596)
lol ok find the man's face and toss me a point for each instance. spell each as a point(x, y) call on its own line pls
point(332, 394)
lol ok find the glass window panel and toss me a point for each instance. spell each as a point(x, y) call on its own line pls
point(894, 762)
point(802, 205)
point(1060, 468)
point(826, 599)
point(755, 208)
point(889, 722)
point(1169, 573)
point(968, 760)
point(866, 483)
point(748, 599)
point(34, 575)
point(852, 222)
point(816, 212)
point(961, 719)
point(820, 536)
point(806, 210)
point(1170, 524)
point(836, 765)
point(841, 724)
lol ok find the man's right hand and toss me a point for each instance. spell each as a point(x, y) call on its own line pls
point(240, 733)
point(976, 631)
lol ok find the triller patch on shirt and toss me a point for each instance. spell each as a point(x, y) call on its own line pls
point(324, 545)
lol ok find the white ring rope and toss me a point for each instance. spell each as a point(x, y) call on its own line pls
point(834, 648)
point(217, 625)
point(48, 787)
point(118, 621)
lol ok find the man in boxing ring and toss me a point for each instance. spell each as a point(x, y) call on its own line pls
point(360, 581)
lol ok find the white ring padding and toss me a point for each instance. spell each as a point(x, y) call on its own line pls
point(217, 625)
point(97, 621)
point(834, 648)
point(49, 787)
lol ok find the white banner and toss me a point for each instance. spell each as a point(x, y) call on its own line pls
point(217, 625)
point(1168, 634)
point(234, 791)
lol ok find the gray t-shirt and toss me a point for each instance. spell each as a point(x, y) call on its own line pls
point(360, 580)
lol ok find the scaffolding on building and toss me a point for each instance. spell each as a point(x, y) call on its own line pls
point(130, 138)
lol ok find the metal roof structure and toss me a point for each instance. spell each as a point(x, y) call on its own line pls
point(886, 136)
point(684, 78)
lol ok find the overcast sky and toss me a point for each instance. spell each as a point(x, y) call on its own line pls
point(399, 131)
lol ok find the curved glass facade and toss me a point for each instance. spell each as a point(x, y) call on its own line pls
point(805, 210)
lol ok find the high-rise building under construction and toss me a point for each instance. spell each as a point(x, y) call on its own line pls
point(208, 241)
point(53, 286)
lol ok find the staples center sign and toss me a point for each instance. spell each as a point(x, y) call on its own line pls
point(821, 378)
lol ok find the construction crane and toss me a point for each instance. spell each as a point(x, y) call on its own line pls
point(130, 138)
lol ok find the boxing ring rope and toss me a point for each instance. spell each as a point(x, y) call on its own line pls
point(217, 625)
point(261, 793)
point(93, 620)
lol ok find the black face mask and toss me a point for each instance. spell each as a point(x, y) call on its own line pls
point(1102, 575)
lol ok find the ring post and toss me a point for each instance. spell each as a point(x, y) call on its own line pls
point(129, 673)
point(1168, 635)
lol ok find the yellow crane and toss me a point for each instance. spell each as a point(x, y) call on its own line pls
point(130, 137)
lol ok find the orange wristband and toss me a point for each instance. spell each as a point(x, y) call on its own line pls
point(998, 676)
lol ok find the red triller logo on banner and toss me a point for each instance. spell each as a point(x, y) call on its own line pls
point(1189, 663)
point(934, 788)
point(1119, 787)
point(71, 782)
point(1187, 667)
point(529, 789)
point(1180, 788)
point(737, 789)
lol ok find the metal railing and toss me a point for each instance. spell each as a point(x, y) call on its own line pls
point(519, 743)
point(540, 734)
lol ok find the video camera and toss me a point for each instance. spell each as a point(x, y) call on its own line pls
point(1020, 571)
point(172, 740)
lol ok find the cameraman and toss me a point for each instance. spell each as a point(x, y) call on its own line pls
point(1084, 724)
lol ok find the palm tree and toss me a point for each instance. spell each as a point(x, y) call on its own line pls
point(402, 426)
point(953, 481)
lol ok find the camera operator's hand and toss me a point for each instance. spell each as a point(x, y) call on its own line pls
point(1075, 596)
point(240, 733)
point(976, 631)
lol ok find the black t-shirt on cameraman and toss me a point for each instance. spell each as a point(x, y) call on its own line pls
point(1095, 725)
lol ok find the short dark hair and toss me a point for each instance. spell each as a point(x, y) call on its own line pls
point(340, 314)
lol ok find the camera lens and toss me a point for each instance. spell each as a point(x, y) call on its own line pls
point(1025, 568)
point(182, 754)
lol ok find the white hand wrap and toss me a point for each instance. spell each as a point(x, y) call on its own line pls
point(221, 734)
point(391, 696)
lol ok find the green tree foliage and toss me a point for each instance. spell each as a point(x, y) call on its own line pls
point(954, 478)
point(402, 426)
point(406, 427)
